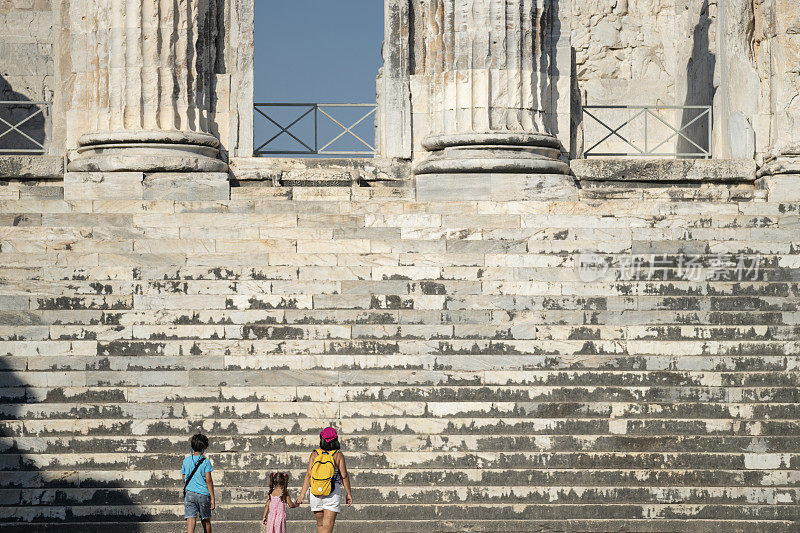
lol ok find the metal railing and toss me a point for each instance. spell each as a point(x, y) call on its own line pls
point(24, 126)
point(315, 146)
point(651, 148)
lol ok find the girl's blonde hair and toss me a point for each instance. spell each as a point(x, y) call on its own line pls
point(279, 479)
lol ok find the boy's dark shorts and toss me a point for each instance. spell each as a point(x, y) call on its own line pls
point(197, 505)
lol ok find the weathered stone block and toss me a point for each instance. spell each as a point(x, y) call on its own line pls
point(31, 167)
point(495, 187)
point(665, 170)
point(186, 186)
point(103, 186)
point(781, 188)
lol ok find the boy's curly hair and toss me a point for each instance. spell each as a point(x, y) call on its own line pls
point(199, 442)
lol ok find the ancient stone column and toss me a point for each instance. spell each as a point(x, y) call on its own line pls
point(393, 88)
point(488, 66)
point(777, 52)
point(142, 98)
point(781, 34)
point(738, 84)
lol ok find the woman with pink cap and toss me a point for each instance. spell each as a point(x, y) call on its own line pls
point(326, 508)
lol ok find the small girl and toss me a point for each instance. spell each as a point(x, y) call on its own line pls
point(275, 510)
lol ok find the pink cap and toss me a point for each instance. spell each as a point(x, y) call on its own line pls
point(328, 434)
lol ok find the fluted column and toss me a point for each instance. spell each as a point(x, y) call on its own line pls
point(488, 68)
point(783, 40)
point(143, 91)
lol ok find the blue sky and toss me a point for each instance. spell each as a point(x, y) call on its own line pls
point(317, 50)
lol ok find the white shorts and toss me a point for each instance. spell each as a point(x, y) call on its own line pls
point(331, 502)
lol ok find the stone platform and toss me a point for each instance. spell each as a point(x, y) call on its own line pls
point(482, 376)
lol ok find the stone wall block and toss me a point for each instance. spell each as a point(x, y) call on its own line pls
point(781, 188)
point(185, 186)
point(103, 186)
point(31, 167)
point(393, 84)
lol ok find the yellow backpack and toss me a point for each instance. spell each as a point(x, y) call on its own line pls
point(322, 473)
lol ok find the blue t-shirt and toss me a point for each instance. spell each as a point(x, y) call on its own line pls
point(198, 482)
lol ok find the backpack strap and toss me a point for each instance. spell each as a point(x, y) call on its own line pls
point(320, 451)
point(336, 467)
point(188, 479)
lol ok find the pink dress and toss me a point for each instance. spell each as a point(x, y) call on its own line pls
point(276, 519)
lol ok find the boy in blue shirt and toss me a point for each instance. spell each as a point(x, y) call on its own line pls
point(199, 499)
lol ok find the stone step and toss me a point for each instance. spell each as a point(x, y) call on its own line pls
point(441, 511)
point(99, 396)
point(478, 383)
point(665, 170)
point(295, 443)
point(422, 495)
point(436, 410)
point(768, 335)
point(472, 372)
point(395, 425)
point(301, 520)
point(386, 477)
point(668, 312)
point(427, 459)
point(313, 171)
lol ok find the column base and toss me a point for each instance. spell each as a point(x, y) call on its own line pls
point(497, 153)
point(783, 161)
point(780, 175)
point(147, 151)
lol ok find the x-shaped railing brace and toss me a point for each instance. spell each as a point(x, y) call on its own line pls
point(706, 111)
point(614, 132)
point(348, 129)
point(286, 129)
point(15, 127)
